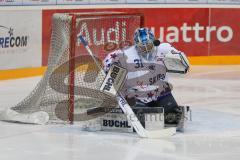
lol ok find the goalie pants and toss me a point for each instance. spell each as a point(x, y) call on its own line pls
point(167, 102)
point(173, 113)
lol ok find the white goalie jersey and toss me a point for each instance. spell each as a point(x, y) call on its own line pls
point(146, 80)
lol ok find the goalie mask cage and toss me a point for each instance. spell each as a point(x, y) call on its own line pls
point(72, 81)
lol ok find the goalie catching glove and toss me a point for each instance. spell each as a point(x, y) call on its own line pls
point(176, 62)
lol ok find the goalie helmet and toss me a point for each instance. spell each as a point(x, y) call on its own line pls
point(144, 42)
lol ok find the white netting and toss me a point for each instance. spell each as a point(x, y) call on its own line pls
point(51, 95)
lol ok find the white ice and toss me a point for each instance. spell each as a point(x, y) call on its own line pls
point(213, 92)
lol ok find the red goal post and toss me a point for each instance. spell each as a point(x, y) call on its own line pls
point(113, 28)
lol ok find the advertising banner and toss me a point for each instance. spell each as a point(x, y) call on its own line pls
point(180, 27)
point(227, 31)
point(20, 39)
point(106, 1)
point(145, 1)
point(72, 1)
point(186, 1)
point(192, 30)
point(224, 1)
point(10, 2)
point(39, 2)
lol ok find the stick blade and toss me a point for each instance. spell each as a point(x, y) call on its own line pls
point(10, 115)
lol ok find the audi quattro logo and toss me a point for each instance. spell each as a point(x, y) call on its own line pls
point(100, 36)
point(197, 32)
point(9, 40)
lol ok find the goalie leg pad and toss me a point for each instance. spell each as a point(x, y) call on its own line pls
point(179, 118)
point(174, 115)
point(115, 120)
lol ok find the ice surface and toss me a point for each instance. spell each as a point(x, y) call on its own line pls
point(213, 92)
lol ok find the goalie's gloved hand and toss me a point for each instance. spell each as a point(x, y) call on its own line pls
point(177, 59)
point(131, 101)
point(130, 92)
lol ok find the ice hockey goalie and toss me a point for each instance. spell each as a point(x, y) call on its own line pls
point(147, 63)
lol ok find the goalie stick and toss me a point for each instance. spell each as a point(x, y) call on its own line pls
point(127, 109)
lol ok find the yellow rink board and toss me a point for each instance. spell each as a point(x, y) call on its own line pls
point(21, 73)
point(201, 60)
point(214, 60)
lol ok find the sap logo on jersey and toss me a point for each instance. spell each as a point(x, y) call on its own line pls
point(201, 33)
point(115, 123)
point(100, 36)
point(10, 40)
point(154, 79)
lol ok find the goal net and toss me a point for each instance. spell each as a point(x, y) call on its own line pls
point(71, 83)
